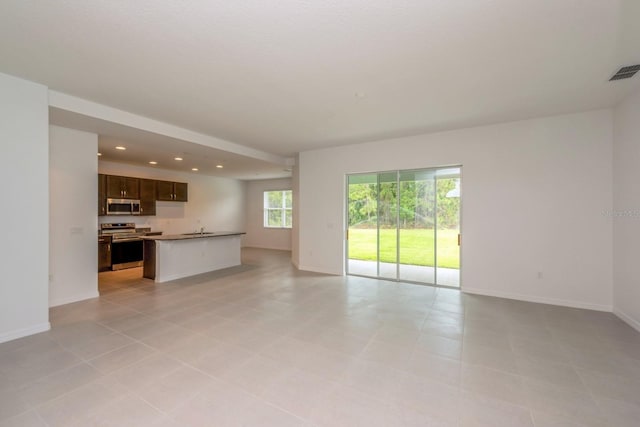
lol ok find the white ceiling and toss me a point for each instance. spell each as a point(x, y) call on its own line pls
point(143, 146)
point(291, 75)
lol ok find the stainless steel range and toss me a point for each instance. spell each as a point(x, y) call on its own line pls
point(126, 244)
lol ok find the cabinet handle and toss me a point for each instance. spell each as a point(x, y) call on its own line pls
point(109, 247)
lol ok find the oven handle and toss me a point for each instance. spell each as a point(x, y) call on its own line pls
point(135, 239)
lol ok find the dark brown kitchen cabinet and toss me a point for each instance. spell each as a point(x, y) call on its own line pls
point(180, 191)
point(122, 187)
point(171, 191)
point(147, 197)
point(104, 253)
point(102, 194)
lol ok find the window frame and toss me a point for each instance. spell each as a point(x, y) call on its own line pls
point(283, 210)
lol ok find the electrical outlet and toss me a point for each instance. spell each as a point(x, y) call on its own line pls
point(539, 274)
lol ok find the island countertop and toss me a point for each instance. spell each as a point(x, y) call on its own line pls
point(196, 235)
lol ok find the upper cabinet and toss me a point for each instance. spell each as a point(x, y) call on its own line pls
point(171, 191)
point(102, 194)
point(147, 197)
point(145, 190)
point(180, 191)
point(122, 187)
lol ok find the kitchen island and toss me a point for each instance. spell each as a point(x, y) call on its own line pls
point(172, 257)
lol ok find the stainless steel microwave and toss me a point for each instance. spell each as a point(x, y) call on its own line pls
point(123, 207)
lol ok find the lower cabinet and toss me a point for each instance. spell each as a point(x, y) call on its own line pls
point(104, 253)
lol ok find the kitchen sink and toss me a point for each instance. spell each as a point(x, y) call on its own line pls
point(198, 234)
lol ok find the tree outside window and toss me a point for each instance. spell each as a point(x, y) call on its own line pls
point(277, 209)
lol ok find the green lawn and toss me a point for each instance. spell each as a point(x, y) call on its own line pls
point(416, 246)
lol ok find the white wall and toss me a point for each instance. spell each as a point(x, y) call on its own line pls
point(295, 226)
point(257, 235)
point(533, 196)
point(217, 204)
point(73, 244)
point(626, 210)
point(24, 165)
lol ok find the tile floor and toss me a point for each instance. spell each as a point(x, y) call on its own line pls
point(265, 345)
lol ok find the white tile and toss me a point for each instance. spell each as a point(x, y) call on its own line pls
point(81, 404)
point(257, 373)
point(26, 419)
point(439, 400)
point(274, 345)
point(57, 384)
point(619, 413)
point(347, 407)
point(429, 366)
point(170, 391)
point(496, 358)
point(92, 348)
point(480, 410)
point(121, 357)
point(11, 404)
point(127, 411)
point(492, 383)
point(612, 386)
point(560, 374)
point(146, 371)
point(371, 378)
point(567, 402)
point(297, 391)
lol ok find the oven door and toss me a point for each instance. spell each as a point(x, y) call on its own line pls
point(126, 253)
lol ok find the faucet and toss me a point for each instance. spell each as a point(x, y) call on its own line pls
point(201, 230)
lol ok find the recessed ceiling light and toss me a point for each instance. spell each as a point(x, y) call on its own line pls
point(153, 163)
point(219, 166)
point(194, 169)
point(120, 147)
point(99, 154)
point(177, 158)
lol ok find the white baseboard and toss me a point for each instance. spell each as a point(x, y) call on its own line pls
point(74, 298)
point(19, 333)
point(321, 270)
point(542, 300)
point(635, 324)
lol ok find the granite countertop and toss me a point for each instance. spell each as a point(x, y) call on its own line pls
point(190, 236)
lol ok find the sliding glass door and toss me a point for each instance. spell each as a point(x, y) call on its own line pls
point(416, 228)
point(405, 225)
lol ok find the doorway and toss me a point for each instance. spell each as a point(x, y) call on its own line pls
point(405, 225)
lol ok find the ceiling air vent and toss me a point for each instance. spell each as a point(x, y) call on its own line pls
point(625, 72)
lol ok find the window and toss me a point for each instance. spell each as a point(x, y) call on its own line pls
point(277, 209)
